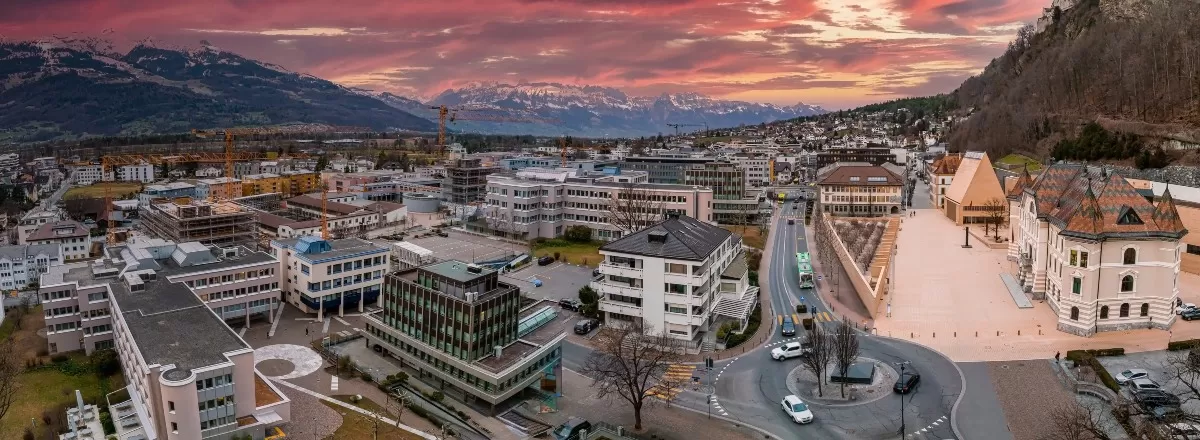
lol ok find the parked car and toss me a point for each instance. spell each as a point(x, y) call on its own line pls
point(789, 350)
point(545, 260)
point(569, 304)
point(788, 328)
point(907, 381)
point(1131, 374)
point(1150, 399)
point(1143, 385)
point(1190, 315)
point(796, 409)
point(571, 429)
point(1184, 307)
point(586, 326)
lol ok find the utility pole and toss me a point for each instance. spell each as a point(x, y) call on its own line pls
point(902, 429)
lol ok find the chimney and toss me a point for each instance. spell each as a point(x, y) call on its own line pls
point(656, 237)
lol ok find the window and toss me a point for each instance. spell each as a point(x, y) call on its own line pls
point(1104, 312)
point(1074, 258)
point(676, 268)
point(171, 407)
point(1125, 310)
point(1074, 313)
point(1130, 256)
point(1145, 309)
point(1126, 283)
point(1076, 285)
point(1083, 259)
point(174, 428)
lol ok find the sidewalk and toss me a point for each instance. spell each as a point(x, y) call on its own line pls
point(847, 304)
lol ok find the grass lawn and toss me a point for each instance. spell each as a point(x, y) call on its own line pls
point(97, 190)
point(587, 254)
point(751, 235)
point(1017, 160)
point(355, 425)
point(27, 341)
point(48, 390)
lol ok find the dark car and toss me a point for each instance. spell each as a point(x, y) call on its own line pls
point(907, 381)
point(545, 260)
point(571, 429)
point(1190, 314)
point(788, 328)
point(1150, 399)
point(791, 222)
point(441, 233)
point(569, 304)
point(586, 326)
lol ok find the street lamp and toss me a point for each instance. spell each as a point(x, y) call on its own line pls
point(902, 366)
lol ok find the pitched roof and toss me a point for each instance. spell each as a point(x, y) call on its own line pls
point(861, 175)
point(1100, 205)
point(69, 229)
point(682, 238)
point(1023, 181)
point(974, 177)
point(331, 207)
point(947, 164)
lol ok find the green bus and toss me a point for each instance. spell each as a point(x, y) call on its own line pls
point(804, 265)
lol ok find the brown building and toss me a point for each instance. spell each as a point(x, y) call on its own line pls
point(860, 191)
point(466, 181)
point(975, 191)
point(871, 155)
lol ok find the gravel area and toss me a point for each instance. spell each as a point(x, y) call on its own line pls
point(311, 420)
point(803, 383)
point(1028, 391)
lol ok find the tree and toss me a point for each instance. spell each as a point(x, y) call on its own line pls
point(578, 234)
point(627, 360)
point(1080, 421)
point(587, 295)
point(405, 163)
point(820, 351)
point(633, 208)
point(996, 215)
point(499, 222)
point(322, 162)
point(396, 403)
point(845, 348)
point(10, 367)
point(380, 159)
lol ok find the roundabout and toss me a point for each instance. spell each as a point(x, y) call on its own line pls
point(286, 361)
point(803, 383)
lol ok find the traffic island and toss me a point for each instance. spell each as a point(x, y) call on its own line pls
point(869, 380)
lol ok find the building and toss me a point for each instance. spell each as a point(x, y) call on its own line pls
point(728, 184)
point(85, 174)
point(860, 191)
point(695, 263)
point(31, 221)
point(523, 162)
point(463, 326)
point(301, 181)
point(171, 190)
point(871, 155)
point(975, 192)
point(669, 170)
point(140, 172)
point(21, 265)
point(255, 184)
point(466, 181)
point(237, 284)
point(209, 172)
point(1187, 203)
point(243, 169)
point(73, 237)
point(220, 188)
point(1102, 256)
point(220, 223)
point(543, 203)
point(324, 275)
point(941, 176)
point(757, 169)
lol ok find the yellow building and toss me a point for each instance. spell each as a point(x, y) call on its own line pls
point(266, 183)
point(301, 182)
point(975, 191)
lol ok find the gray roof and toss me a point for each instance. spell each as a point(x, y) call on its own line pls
point(455, 270)
point(23, 252)
point(172, 326)
point(686, 239)
point(737, 268)
point(339, 248)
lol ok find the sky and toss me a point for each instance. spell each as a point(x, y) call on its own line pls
point(834, 53)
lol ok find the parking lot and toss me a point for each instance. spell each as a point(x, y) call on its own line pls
point(467, 247)
point(1157, 363)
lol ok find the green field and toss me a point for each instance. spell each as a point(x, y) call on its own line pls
point(48, 390)
point(96, 190)
point(355, 425)
point(1015, 161)
point(587, 254)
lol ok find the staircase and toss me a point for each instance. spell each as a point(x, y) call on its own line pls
point(736, 307)
point(707, 346)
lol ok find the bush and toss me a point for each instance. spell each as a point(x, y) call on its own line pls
point(735, 339)
point(437, 396)
point(1088, 357)
point(587, 295)
point(28, 434)
point(367, 377)
point(1186, 344)
point(59, 358)
point(752, 277)
point(105, 362)
point(807, 323)
point(578, 234)
point(106, 422)
point(557, 256)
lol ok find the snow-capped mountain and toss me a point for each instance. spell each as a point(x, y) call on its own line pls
point(62, 88)
point(606, 111)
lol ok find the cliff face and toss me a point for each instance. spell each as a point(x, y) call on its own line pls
point(1131, 65)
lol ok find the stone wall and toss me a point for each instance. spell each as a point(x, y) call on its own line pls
point(1175, 175)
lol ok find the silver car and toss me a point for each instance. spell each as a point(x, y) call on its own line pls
point(1143, 385)
point(1131, 374)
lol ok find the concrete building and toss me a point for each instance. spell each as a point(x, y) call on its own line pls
point(255, 184)
point(757, 169)
point(537, 203)
point(975, 192)
point(871, 155)
point(671, 277)
point(220, 188)
point(209, 172)
point(522, 162)
point(1101, 256)
point(860, 191)
point(221, 223)
point(941, 176)
point(464, 327)
point(669, 170)
point(728, 184)
point(332, 275)
point(72, 236)
point(84, 175)
point(171, 190)
point(21, 265)
point(31, 221)
point(466, 181)
point(141, 172)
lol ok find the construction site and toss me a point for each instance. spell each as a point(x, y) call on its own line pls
point(216, 223)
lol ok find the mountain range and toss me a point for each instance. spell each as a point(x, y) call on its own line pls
point(58, 89)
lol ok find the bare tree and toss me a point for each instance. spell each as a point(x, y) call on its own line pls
point(996, 215)
point(634, 208)
point(396, 403)
point(10, 368)
point(627, 362)
point(819, 346)
point(1077, 421)
point(499, 222)
point(844, 343)
point(671, 386)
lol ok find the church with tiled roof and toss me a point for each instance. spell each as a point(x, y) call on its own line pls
point(1099, 253)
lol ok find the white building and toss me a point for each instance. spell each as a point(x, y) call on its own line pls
point(330, 274)
point(21, 265)
point(30, 223)
point(757, 169)
point(84, 175)
point(72, 235)
point(675, 276)
point(1101, 256)
point(142, 172)
point(209, 172)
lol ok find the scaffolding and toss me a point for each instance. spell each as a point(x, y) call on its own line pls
point(219, 223)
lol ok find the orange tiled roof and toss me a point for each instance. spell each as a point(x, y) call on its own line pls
point(948, 164)
point(1101, 205)
point(1024, 181)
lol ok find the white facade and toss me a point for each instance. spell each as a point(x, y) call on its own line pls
point(333, 274)
point(23, 264)
point(85, 175)
point(143, 172)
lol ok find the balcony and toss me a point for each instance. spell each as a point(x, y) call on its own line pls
point(681, 319)
point(605, 288)
point(619, 307)
point(621, 270)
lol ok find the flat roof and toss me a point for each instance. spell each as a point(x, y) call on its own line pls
point(172, 326)
point(514, 353)
point(456, 270)
point(339, 249)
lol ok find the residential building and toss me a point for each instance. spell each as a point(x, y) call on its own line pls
point(860, 191)
point(73, 237)
point(301, 181)
point(209, 172)
point(255, 184)
point(669, 170)
point(31, 221)
point(324, 275)
point(243, 169)
point(757, 169)
point(1101, 256)
point(220, 188)
point(85, 174)
point(941, 176)
point(672, 276)
point(466, 181)
point(171, 190)
point(236, 283)
point(728, 183)
point(975, 193)
point(140, 172)
point(871, 155)
point(543, 203)
point(21, 265)
point(463, 326)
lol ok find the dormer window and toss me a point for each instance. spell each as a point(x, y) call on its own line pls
point(1128, 217)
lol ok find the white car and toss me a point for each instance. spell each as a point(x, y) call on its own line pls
point(796, 409)
point(1131, 374)
point(1183, 308)
point(1143, 385)
point(788, 351)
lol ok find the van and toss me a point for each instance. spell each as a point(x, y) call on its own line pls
point(788, 328)
point(571, 429)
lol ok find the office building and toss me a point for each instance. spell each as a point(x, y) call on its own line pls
point(466, 181)
point(21, 265)
point(871, 155)
point(728, 183)
point(72, 236)
point(85, 174)
point(669, 170)
point(461, 325)
point(860, 191)
point(672, 276)
point(322, 275)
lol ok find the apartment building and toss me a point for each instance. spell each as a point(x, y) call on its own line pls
point(322, 275)
point(84, 175)
point(1101, 256)
point(860, 191)
point(140, 172)
point(672, 276)
point(539, 202)
point(264, 183)
point(21, 265)
point(463, 326)
point(219, 188)
point(941, 177)
point(872, 155)
point(756, 169)
point(31, 221)
point(73, 237)
point(236, 283)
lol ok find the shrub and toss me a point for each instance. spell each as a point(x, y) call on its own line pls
point(59, 358)
point(587, 295)
point(752, 277)
point(463, 415)
point(105, 362)
point(28, 434)
point(807, 323)
point(578, 234)
point(437, 396)
point(367, 377)
point(1186, 344)
point(1088, 357)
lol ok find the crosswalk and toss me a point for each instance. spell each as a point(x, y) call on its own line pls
point(823, 317)
point(333, 384)
point(678, 375)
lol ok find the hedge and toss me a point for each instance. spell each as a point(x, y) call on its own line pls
point(1088, 357)
point(1186, 344)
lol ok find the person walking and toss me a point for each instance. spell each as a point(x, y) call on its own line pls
point(1057, 356)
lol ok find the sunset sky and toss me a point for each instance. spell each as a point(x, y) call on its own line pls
point(836, 53)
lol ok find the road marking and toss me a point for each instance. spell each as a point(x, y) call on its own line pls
point(339, 319)
point(333, 384)
point(242, 332)
point(279, 317)
point(325, 329)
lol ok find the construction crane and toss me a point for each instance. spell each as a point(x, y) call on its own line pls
point(452, 114)
point(676, 126)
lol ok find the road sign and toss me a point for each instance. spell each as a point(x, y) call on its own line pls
point(801, 298)
point(820, 277)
